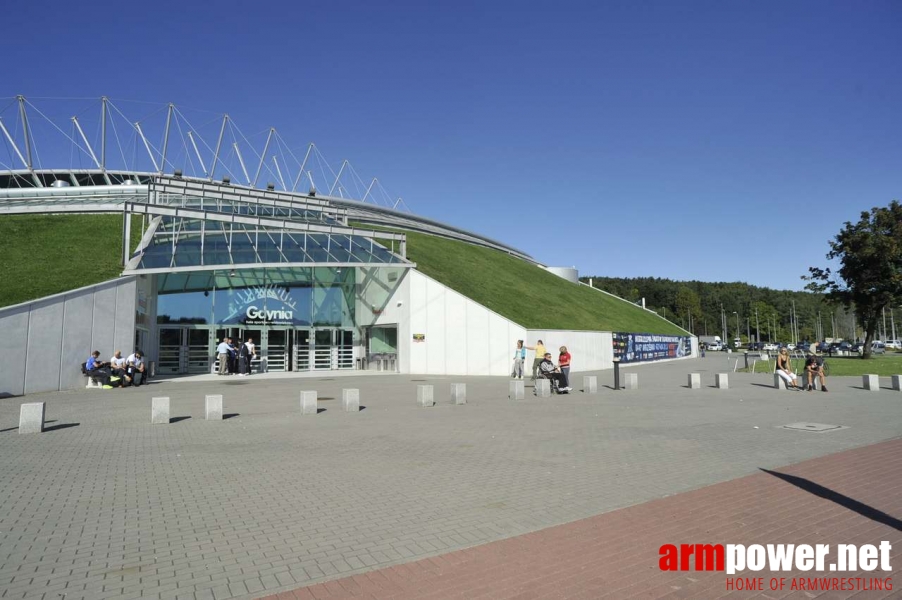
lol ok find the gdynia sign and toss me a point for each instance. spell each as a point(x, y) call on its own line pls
point(253, 313)
point(264, 304)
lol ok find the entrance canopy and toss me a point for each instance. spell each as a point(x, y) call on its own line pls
point(199, 226)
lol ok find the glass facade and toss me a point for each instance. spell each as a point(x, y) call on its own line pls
point(294, 297)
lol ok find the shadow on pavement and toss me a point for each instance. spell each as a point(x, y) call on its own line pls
point(844, 501)
point(177, 419)
point(60, 426)
point(230, 416)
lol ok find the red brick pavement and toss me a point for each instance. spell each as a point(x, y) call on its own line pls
point(854, 497)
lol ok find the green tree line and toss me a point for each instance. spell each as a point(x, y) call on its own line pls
point(763, 313)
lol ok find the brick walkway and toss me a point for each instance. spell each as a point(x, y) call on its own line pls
point(852, 497)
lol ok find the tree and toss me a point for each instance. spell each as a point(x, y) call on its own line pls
point(870, 273)
point(687, 303)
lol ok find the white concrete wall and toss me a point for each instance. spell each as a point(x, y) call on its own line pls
point(462, 336)
point(590, 350)
point(465, 338)
point(47, 339)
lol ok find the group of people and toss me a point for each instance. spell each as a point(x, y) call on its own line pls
point(814, 370)
point(118, 372)
point(235, 359)
point(543, 365)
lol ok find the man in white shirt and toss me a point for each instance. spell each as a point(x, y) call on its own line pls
point(118, 368)
point(134, 366)
point(223, 351)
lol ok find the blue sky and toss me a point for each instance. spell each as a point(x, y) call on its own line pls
point(719, 141)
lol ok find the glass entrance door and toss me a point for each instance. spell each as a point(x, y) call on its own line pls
point(184, 349)
point(277, 350)
point(322, 349)
point(301, 360)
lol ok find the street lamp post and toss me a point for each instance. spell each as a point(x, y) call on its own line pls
point(737, 322)
point(757, 326)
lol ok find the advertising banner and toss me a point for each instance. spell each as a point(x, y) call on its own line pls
point(641, 347)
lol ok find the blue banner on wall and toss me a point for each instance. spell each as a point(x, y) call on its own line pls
point(641, 347)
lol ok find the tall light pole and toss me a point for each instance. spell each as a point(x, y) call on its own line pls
point(757, 326)
point(737, 322)
point(748, 330)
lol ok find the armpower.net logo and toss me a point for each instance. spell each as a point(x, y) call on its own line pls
point(741, 563)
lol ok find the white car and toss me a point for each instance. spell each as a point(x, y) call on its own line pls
point(790, 346)
point(770, 347)
point(894, 344)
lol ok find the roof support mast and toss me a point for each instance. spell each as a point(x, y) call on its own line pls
point(84, 138)
point(372, 183)
point(279, 172)
point(303, 164)
point(12, 143)
point(263, 156)
point(197, 152)
point(166, 137)
point(225, 120)
point(340, 171)
point(29, 163)
point(241, 162)
point(147, 146)
point(103, 110)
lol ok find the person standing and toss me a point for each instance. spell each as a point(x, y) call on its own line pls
point(519, 360)
point(251, 354)
point(540, 355)
point(223, 351)
point(563, 363)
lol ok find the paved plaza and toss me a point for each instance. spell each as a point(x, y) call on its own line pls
point(106, 505)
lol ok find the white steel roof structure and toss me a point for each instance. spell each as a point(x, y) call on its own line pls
point(199, 188)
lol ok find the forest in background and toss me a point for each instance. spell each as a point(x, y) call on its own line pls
point(773, 315)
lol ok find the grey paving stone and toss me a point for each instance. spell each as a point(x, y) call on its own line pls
point(118, 499)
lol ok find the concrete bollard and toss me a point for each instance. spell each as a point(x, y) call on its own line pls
point(543, 388)
point(516, 390)
point(871, 382)
point(308, 403)
point(630, 381)
point(425, 396)
point(350, 400)
point(722, 381)
point(779, 383)
point(695, 381)
point(458, 393)
point(897, 383)
point(159, 410)
point(31, 417)
point(590, 384)
point(213, 404)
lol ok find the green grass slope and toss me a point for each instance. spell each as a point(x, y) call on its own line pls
point(42, 255)
point(525, 293)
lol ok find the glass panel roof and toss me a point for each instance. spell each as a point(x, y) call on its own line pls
point(183, 242)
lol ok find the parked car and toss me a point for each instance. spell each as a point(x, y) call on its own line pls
point(790, 346)
point(878, 348)
point(770, 347)
point(894, 344)
point(822, 347)
point(835, 348)
point(714, 346)
point(857, 347)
